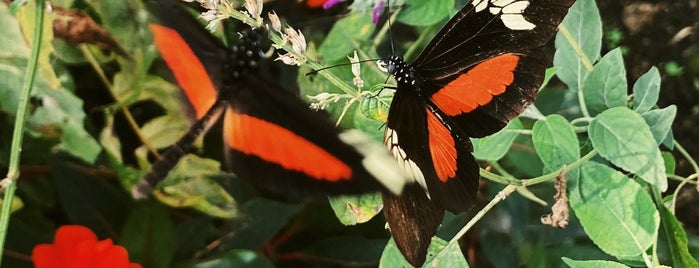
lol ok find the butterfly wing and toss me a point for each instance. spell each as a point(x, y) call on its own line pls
point(195, 57)
point(284, 148)
point(485, 67)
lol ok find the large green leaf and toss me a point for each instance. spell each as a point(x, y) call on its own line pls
point(605, 86)
point(646, 91)
point(148, 235)
point(190, 184)
point(424, 13)
point(353, 209)
point(660, 121)
point(345, 36)
point(555, 142)
point(621, 136)
point(675, 236)
point(615, 211)
point(592, 264)
point(264, 219)
point(584, 43)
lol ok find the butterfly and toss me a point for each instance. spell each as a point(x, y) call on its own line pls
point(481, 70)
point(272, 139)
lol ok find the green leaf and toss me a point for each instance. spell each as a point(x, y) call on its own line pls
point(495, 146)
point(239, 258)
point(670, 162)
point(357, 250)
point(449, 256)
point(13, 44)
point(26, 17)
point(265, 218)
point(164, 131)
point(60, 114)
point(376, 107)
point(592, 264)
point(190, 184)
point(646, 91)
point(148, 235)
point(616, 213)
point(345, 36)
point(660, 122)
point(584, 25)
point(86, 199)
point(676, 238)
point(605, 86)
point(550, 73)
point(424, 13)
point(555, 142)
point(353, 209)
point(621, 136)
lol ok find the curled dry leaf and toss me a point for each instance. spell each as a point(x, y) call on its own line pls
point(77, 27)
point(559, 211)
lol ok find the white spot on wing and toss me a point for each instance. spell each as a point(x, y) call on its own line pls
point(409, 167)
point(480, 5)
point(516, 22)
point(509, 11)
point(376, 161)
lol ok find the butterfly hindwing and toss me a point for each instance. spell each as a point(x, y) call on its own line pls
point(429, 148)
point(412, 211)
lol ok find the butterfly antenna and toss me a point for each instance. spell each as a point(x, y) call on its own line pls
point(390, 26)
point(338, 65)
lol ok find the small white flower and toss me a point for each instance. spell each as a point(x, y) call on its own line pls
point(254, 9)
point(288, 59)
point(276, 23)
point(357, 80)
point(322, 100)
point(209, 15)
point(298, 41)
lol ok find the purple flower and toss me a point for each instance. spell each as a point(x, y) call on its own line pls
point(376, 13)
point(331, 3)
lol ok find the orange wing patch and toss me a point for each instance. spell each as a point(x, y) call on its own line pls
point(477, 86)
point(278, 145)
point(188, 70)
point(442, 148)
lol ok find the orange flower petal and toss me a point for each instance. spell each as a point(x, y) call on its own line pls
point(77, 247)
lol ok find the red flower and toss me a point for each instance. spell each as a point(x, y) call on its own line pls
point(76, 246)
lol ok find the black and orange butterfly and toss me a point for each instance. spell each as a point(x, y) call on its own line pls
point(272, 139)
point(481, 70)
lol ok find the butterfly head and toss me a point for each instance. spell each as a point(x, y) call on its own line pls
point(395, 65)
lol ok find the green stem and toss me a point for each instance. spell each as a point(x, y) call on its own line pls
point(509, 189)
point(687, 156)
point(9, 183)
point(124, 109)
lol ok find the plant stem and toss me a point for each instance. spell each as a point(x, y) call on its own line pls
point(9, 182)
